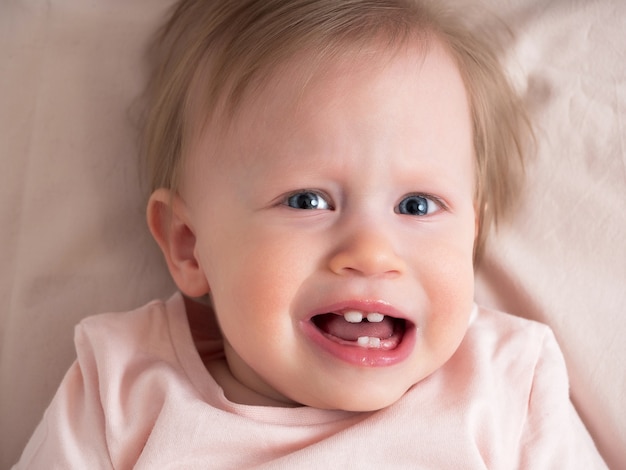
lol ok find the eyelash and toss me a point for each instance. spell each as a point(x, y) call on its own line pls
point(323, 202)
point(440, 205)
point(308, 192)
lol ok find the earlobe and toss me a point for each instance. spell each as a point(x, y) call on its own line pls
point(169, 223)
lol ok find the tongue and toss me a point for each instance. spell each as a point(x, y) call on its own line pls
point(335, 325)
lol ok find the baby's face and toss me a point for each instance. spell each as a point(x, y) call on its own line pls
point(335, 228)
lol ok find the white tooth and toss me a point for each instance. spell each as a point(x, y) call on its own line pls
point(375, 317)
point(368, 342)
point(353, 316)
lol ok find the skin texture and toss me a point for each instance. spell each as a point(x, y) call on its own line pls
point(363, 135)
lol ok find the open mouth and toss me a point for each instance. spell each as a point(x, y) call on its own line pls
point(367, 330)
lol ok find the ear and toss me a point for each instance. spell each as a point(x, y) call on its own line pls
point(169, 222)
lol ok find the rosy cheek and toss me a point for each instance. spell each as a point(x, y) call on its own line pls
point(449, 285)
point(261, 280)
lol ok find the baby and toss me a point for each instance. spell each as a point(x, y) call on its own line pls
point(323, 174)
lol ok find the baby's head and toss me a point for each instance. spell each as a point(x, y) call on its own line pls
point(326, 171)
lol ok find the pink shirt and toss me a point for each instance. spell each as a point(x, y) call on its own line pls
point(139, 396)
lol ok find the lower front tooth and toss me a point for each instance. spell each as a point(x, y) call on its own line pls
point(368, 342)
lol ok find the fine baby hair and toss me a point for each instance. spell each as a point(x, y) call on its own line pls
point(210, 55)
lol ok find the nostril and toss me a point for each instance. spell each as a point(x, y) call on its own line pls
point(353, 262)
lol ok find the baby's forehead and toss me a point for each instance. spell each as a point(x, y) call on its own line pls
point(304, 72)
point(292, 111)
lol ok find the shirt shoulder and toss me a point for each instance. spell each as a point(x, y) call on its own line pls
point(118, 327)
point(121, 350)
point(504, 338)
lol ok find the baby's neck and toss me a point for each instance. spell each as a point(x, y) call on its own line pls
point(235, 391)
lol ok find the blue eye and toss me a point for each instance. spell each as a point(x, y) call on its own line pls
point(307, 200)
point(417, 205)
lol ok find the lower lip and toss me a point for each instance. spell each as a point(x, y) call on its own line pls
point(359, 356)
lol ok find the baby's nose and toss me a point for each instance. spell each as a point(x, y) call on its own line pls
point(366, 252)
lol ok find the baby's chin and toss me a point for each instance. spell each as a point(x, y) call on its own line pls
point(362, 401)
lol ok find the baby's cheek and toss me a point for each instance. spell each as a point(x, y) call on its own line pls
point(450, 288)
point(262, 282)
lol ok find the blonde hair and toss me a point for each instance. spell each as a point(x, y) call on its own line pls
point(236, 44)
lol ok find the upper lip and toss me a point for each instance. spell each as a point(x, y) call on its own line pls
point(363, 305)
